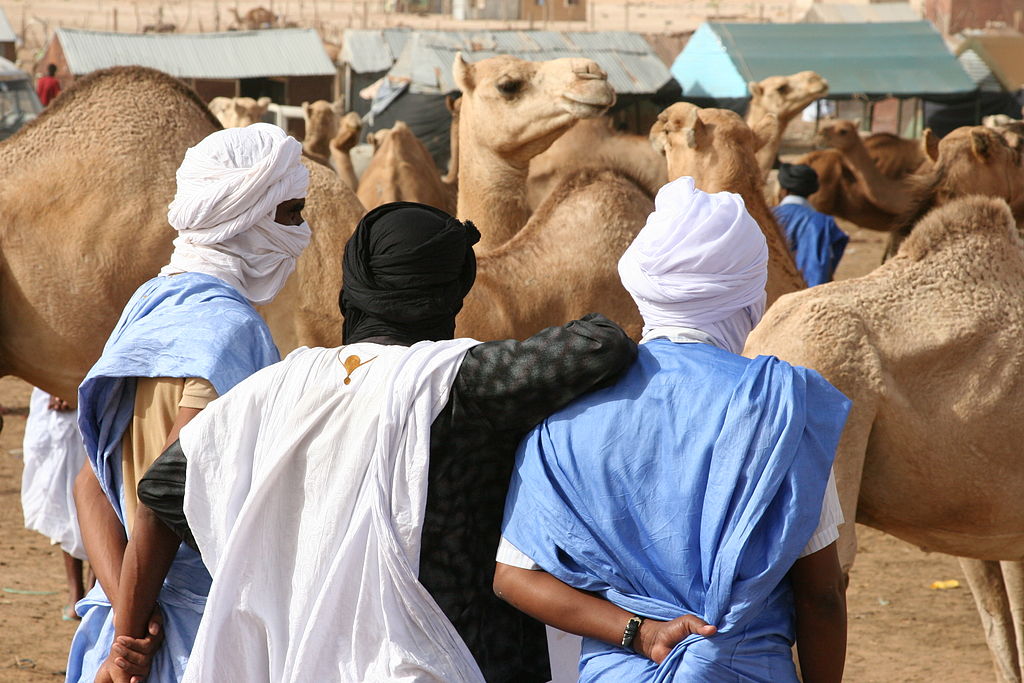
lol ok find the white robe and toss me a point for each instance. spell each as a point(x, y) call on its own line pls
point(54, 453)
point(306, 496)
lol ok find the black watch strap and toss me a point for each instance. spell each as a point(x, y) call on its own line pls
point(632, 628)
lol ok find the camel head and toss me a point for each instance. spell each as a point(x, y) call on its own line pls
point(517, 108)
point(839, 134)
point(321, 121)
point(348, 132)
point(707, 144)
point(978, 160)
point(787, 96)
point(236, 112)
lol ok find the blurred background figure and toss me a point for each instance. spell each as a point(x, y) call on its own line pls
point(48, 87)
point(814, 238)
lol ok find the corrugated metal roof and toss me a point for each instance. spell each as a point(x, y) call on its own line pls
point(7, 34)
point(10, 72)
point(1003, 53)
point(236, 54)
point(979, 72)
point(632, 65)
point(370, 51)
point(861, 14)
point(904, 59)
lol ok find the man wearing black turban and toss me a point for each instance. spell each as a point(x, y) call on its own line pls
point(407, 269)
point(816, 241)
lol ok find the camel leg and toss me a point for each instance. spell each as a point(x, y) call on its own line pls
point(985, 578)
point(1013, 578)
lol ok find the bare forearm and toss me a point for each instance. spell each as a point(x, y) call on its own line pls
point(547, 599)
point(147, 560)
point(102, 532)
point(819, 596)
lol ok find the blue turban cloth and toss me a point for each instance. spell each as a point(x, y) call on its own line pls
point(688, 487)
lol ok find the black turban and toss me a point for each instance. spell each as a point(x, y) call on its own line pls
point(798, 179)
point(406, 270)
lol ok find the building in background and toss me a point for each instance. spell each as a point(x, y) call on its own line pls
point(8, 39)
point(861, 13)
point(953, 16)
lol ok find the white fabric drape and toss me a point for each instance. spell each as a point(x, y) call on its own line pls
point(54, 453)
point(306, 496)
point(229, 186)
point(701, 262)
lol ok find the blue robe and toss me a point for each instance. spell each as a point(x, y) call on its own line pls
point(814, 238)
point(188, 325)
point(688, 487)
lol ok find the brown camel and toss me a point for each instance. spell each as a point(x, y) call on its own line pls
point(451, 178)
point(254, 19)
point(886, 193)
point(511, 111)
point(785, 97)
point(894, 156)
point(970, 160)
point(403, 170)
point(321, 126)
point(716, 148)
point(595, 143)
point(842, 192)
point(75, 243)
point(236, 112)
point(930, 348)
point(341, 145)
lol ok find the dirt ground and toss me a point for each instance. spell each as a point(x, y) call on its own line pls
point(900, 628)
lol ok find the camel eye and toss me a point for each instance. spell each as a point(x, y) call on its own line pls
point(783, 89)
point(510, 87)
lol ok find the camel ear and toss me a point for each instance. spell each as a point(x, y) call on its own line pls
point(305, 109)
point(692, 128)
point(856, 123)
point(657, 135)
point(980, 146)
point(764, 130)
point(930, 144)
point(462, 71)
point(755, 88)
point(452, 104)
point(264, 102)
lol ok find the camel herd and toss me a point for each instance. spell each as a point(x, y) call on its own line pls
point(929, 345)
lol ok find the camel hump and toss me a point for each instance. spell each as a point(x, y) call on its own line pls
point(971, 217)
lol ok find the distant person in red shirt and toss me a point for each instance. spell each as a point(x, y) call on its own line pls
point(48, 87)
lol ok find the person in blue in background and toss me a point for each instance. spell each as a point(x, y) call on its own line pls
point(185, 338)
point(684, 519)
point(814, 238)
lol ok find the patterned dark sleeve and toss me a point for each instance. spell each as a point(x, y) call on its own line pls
point(162, 490)
point(513, 385)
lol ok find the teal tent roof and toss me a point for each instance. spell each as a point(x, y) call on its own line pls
point(904, 59)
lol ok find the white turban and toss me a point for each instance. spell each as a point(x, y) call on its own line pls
point(229, 186)
point(700, 262)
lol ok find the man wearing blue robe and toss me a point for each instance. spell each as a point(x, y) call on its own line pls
point(683, 520)
point(184, 338)
point(814, 238)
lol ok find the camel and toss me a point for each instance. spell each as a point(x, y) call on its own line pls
point(75, 242)
point(930, 348)
point(511, 111)
point(842, 192)
point(402, 170)
point(594, 142)
point(894, 156)
point(451, 178)
point(341, 145)
point(236, 112)
point(254, 19)
point(886, 193)
point(970, 160)
point(321, 123)
point(785, 97)
point(716, 148)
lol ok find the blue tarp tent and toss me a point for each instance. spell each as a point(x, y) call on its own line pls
point(877, 60)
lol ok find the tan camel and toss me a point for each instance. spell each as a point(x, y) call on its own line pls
point(236, 112)
point(255, 19)
point(402, 170)
point(321, 123)
point(341, 145)
point(716, 148)
point(886, 193)
point(75, 243)
point(894, 156)
point(930, 348)
point(451, 178)
point(595, 143)
point(842, 192)
point(785, 97)
point(511, 111)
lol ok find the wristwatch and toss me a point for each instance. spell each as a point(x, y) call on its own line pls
point(632, 628)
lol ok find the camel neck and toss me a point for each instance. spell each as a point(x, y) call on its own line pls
point(318, 144)
point(883, 192)
point(492, 194)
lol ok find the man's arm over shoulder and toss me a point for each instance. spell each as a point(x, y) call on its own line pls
point(514, 385)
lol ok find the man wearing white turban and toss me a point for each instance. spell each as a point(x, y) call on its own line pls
point(675, 519)
point(186, 337)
